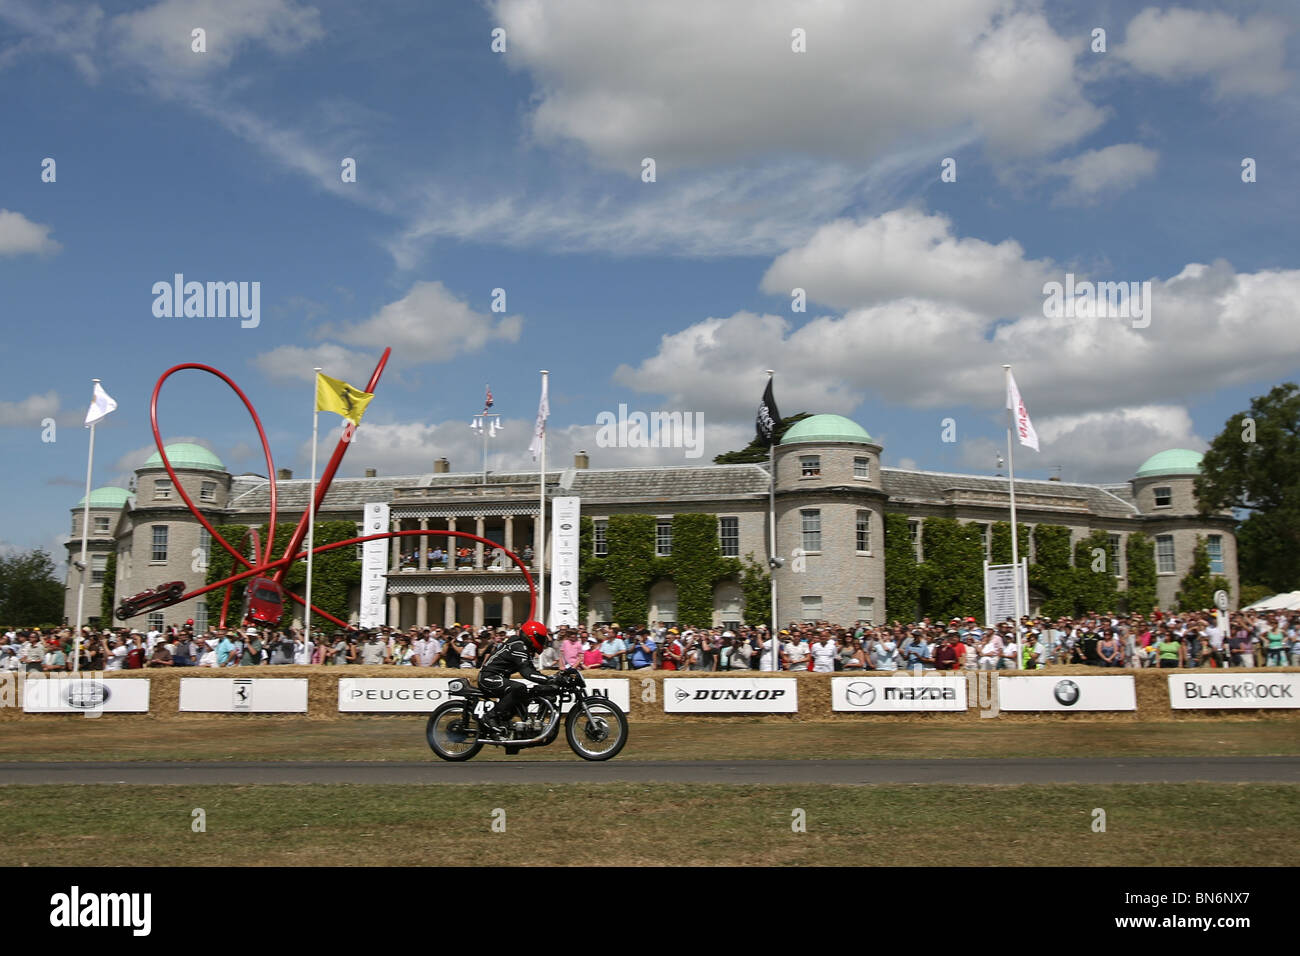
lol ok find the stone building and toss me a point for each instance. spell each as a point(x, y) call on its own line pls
point(832, 495)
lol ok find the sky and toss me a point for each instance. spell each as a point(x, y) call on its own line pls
point(654, 201)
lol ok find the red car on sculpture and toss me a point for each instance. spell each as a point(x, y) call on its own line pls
point(164, 595)
point(264, 601)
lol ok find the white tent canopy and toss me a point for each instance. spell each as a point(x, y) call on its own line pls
point(1278, 602)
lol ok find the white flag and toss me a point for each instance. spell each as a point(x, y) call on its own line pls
point(539, 431)
point(100, 405)
point(1024, 427)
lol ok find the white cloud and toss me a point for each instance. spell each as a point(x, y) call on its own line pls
point(1101, 446)
point(1240, 58)
point(19, 235)
point(690, 83)
point(30, 411)
point(296, 363)
point(906, 252)
point(1110, 170)
point(127, 463)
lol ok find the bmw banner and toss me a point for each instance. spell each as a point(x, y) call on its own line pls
point(1076, 692)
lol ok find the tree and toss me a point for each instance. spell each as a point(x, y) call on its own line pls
point(756, 451)
point(1095, 587)
point(1253, 465)
point(1196, 591)
point(1140, 556)
point(1051, 573)
point(952, 573)
point(108, 591)
point(30, 593)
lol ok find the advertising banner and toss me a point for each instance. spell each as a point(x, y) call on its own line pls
point(1222, 691)
point(1067, 693)
point(735, 695)
point(250, 695)
point(374, 565)
point(564, 561)
point(78, 695)
point(904, 692)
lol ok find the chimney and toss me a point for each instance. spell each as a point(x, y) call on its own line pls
point(283, 474)
point(581, 460)
point(1054, 478)
point(441, 467)
point(370, 473)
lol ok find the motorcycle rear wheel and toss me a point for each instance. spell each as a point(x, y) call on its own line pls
point(448, 734)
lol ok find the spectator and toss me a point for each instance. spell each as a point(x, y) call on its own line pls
point(252, 654)
point(796, 654)
point(1171, 651)
point(162, 654)
point(468, 651)
point(592, 658)
point(9, 662)
point(135, 655)
point(209, 656)
point(54, 659)
point(182, 653)
point(885, 655)
point(1276, 644)
point(1108, 652)
point(990, 651)
point(613, 652)
point(644, 650)
point(742, 655)
point(823, 653)
point(571, 649)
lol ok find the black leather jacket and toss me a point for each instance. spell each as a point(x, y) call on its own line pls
point(514, 655)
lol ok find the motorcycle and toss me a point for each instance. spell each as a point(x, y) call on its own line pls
point(595, 727)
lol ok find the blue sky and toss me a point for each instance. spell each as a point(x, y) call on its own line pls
point(522, 170)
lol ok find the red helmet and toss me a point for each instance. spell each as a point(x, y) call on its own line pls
point(534, 632)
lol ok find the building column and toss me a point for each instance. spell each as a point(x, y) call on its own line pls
point(449, 610)
point(507, 608)
point(395, 551)
point(538, 544)
point(478, 610)
point(421, 610)
point(510, 532)
point(394, 608)
point(424, 548)
point(451, 549)
point(478, 545)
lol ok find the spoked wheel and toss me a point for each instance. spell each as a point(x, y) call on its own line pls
point(449, 735)
point(600, 736)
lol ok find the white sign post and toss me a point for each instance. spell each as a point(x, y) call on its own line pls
point(374, 567)
point(564, 561)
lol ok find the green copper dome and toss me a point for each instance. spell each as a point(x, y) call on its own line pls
point(185, 455)
point(823, 428)
point(1174, 461)
point(106, 497)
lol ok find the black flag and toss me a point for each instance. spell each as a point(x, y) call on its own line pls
point(768, 417)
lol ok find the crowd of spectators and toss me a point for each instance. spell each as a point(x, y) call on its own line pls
point(1159, 639)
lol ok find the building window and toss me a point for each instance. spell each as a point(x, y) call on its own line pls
point(599, 544)
point(1214, 545)
point(97, 564)
point(361, 546)
point(1165, 553)
point(812, 530)
point(1164, 496)
point(729, 532)
point(867, 610)
point(1113, 543)
point(863, 532)
point(162, 489)
point(200, 617)
point(861, 467)
point(810, 466)
point(205, 547)
point(101, 525)
point(985, 544)
point(914, 532)
point(812, 607)
point(664, 537)
point(159, 543)
point(208, 491)
point(155, 620)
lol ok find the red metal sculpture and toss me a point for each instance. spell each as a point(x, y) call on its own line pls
point(267, 590)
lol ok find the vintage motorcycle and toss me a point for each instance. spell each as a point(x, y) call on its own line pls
point(595, 727)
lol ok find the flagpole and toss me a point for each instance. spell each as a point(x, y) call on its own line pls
point(311, 509)
point(1015, 538)
point(85, 533)
point(541, 524)
point(771, 521)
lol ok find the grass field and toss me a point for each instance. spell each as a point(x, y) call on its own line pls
point(403, 739)
point(647, 825)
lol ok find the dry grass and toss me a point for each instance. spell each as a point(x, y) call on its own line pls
point(402, 738)
point(652, 825)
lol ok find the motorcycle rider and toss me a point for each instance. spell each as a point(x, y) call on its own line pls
point(514, 654)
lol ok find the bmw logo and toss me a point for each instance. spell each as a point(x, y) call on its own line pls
point(860, 693)
point(1066, 693)
point(86, 694)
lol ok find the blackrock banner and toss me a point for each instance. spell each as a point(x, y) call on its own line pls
point(735, 695)
point(388, 695)
point(904, 692)
point(1234, 691)
point(250, 695)
point(374, 565)
point(564, 561)
point(1067, 693)
point(80, 695)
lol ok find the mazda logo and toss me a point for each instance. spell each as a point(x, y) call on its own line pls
point(860, 693)
point(1066, 693)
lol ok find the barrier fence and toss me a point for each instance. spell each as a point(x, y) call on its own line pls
point(1056, 693)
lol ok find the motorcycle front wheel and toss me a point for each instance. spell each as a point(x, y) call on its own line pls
point(449, 735)
point(600, 736)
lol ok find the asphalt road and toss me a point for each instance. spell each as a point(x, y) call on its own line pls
point(522, 770)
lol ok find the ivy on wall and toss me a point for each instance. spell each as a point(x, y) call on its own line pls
point(1196, 591)
point(1000, 542)
point(952, 573)
point(1095, 585)
point(1140, 556)
point(108, 593)
point(902, 572)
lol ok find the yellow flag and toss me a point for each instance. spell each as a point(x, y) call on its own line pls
point(333, 395)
